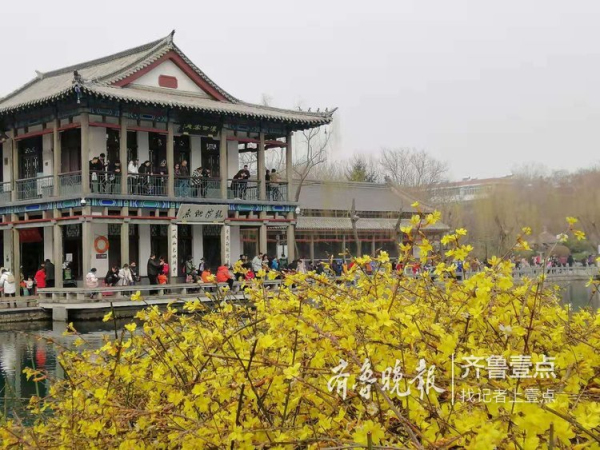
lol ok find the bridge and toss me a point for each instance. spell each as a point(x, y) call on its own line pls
point(67, 304)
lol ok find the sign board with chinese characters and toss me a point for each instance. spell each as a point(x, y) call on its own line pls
point(173, 248)
point(202, 213)
point(199, 129)
point(227, 244)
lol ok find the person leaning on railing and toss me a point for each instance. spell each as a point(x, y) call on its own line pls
point(275, 179)
point(196, 175)
point(113, 185)
point(145, 171)
point(96, 171)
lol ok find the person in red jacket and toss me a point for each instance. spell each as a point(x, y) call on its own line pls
point(40, 277)
point(223, 276)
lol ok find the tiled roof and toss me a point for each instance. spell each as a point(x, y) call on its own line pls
point(333, 195)
point(99, 76)
point(155, 96)
point(341, 223)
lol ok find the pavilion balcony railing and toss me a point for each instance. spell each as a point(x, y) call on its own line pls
point(69, 183)
point(105, 182)
point(32, 188)
point(277, 191)
point(5, 192)
point(151, 185)
point(242, 189)
point(195, 187)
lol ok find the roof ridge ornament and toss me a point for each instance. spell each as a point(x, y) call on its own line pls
point(77, 83)
point(170, 37)
point(39, 75)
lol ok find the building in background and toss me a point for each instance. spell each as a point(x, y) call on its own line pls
point(466, 190)
point(324, 226)
point(148, 103)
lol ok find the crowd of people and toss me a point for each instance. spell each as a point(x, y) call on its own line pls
point(239, 184)
point(144, 179)
point(27, 284)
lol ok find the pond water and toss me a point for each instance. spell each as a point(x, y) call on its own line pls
point(25, 345)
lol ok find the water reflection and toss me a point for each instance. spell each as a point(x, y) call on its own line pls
point(26, 345)
point(579, 296)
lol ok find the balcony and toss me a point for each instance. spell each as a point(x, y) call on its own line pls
point(5, 192)
point(69, 183)
point(198, 187)
point(109, 183)
point(243, 189)
point(32, 188)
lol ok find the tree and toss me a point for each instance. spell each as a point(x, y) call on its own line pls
point(360, 168)
point(411, 168)
point(312, 151)
point(368, 360)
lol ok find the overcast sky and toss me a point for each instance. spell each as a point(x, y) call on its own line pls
point(481, 84)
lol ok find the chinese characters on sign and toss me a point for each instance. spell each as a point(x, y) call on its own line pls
point(173, 234)
point(423, 379)
point(227, 243)
point(202, 213)
point(199, 129)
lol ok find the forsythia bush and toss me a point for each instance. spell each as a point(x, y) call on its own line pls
point(368, 360)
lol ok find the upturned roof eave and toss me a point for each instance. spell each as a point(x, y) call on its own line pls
point(311, 122)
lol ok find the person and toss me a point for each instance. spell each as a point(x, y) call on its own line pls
point(185, 179)
point(197, 182)
point(132, 170)
point(301, 266)
point(165, 267)
point(112, 276)
point(113, 185)
point(257, 262)
point(202, 266)
point(177, 175)
point(153, 269)
point(224, 276)
point(49, 273)
point(240, 182)
point(190, 270)
point(336, 266)
point(162, 278)
point(8, 283)
point(275, 264)
point(206, 275)
point(268, 183)
point(163, 173)
point(145, 171)
point(28, 288)
point(40, 277)
point(134, 272)
point(96, 173)
point(275, 180)
point(125, 276)
point(204, 182)
point(91, 281)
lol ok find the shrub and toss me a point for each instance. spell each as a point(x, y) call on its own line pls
point(269, 373)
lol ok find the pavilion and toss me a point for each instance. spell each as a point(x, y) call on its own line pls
point(149, 103)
